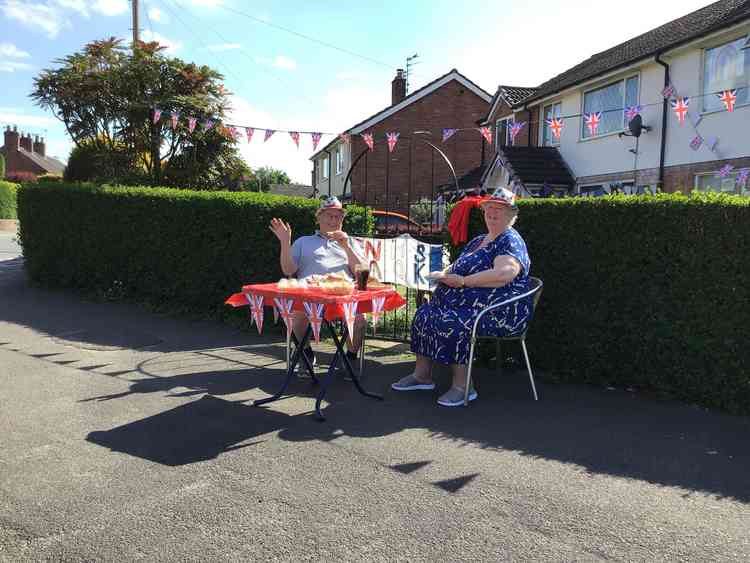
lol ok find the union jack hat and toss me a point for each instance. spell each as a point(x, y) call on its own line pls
point(331, 202)
point(503, 196)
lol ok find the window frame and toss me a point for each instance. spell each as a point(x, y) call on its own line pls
point(542, 129)
point(507, 120)
point(704, 53)
point(745, 192)
point(324, 168)
point(339, 160)
point(623, 81)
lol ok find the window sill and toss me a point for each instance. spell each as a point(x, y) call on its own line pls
point(723, 110)
point(605, 135)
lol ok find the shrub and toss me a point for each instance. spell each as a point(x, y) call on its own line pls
point(650, 292)
point(7, 200)
point(176, 249)
point(49, 178)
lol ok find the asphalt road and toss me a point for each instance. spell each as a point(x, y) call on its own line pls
point(130, 436)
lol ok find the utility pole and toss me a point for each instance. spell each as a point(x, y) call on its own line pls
point(136, 31)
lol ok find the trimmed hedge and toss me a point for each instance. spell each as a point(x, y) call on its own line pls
point(179, 250)
point(645, 292)
point(8, 200)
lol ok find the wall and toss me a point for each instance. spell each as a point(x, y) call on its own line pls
point(607, 158)
point(337, 180)
point(452, 105)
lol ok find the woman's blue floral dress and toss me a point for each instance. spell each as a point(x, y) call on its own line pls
point(442, 328)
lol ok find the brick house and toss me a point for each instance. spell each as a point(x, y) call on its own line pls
point(389, 181)
point(700, 54)
point(24, 154)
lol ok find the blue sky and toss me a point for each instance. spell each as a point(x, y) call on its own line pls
point(282, 81)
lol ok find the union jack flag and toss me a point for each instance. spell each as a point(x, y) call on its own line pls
point(346, 138)
point(369, 141)
point(314, 313)
point(742, 176)
point(233, 133)
point(315, 139)
point(295, 137)
point(350, 311)
point(249, 133)
point(157, 115)
point(729, 97)
point(631, 112)
point(556, 125)
point(392, 140)
point(725, 171)
point(448, 133)
point(378, 303)
point(668, 92)
point(256, 309)
point(486, 133)
point(592, 121)
point(696, 143)
point(285, 310)
point(175, 119)
point(191, 124)
point(269, 133)
point(515, 129)
point(207, 124)
point(680, 107)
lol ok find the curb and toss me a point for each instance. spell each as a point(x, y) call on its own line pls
point(8, 225)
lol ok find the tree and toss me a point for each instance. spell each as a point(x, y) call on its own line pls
point(265, 177)
point(2, 167)
point(106, 96)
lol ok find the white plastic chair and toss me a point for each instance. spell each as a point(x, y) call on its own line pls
point(535, 289)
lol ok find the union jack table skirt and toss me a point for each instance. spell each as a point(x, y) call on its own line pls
point(321, 309)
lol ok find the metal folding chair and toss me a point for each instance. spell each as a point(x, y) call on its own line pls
point(535, 289)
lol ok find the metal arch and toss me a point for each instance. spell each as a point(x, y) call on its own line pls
point(447, 161)
point(366, 150)
point(351, 169)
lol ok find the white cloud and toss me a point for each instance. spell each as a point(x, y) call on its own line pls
point(155, 14)
point(110, 7)
point(12, 66)
point(46, 17)
point(171, 46)
point(280, 61)
point(20, 118)
point(225, 47)
point(11, 51)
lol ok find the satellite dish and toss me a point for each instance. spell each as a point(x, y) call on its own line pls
point(636, 126)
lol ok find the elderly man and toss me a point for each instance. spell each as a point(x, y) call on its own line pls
point(328, 251)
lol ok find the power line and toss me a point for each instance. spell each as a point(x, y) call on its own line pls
point(308, 37)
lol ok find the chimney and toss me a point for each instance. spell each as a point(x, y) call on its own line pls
point(398, 87)
point(11, 139)
point(26, 142)
point(39, 146)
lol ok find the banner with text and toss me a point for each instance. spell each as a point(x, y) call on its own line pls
point(403, 260)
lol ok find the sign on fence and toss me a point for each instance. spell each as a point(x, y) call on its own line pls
point(403, 260)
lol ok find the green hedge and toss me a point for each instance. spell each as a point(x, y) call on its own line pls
point(646, 292)
point(178, 250)
point(8, 200)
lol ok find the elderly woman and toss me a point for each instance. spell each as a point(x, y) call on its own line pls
point(491, 269)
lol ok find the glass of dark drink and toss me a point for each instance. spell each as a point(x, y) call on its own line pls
point(361, 275)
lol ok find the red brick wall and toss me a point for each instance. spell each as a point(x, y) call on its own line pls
point(17, 162)
point(453, 105)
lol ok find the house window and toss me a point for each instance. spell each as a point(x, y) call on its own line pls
point(339, 160)
point(726, 67)
point(611, 100)
point(712, 183)
point(550, 111)
point(502, 134)
point(324, 168)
